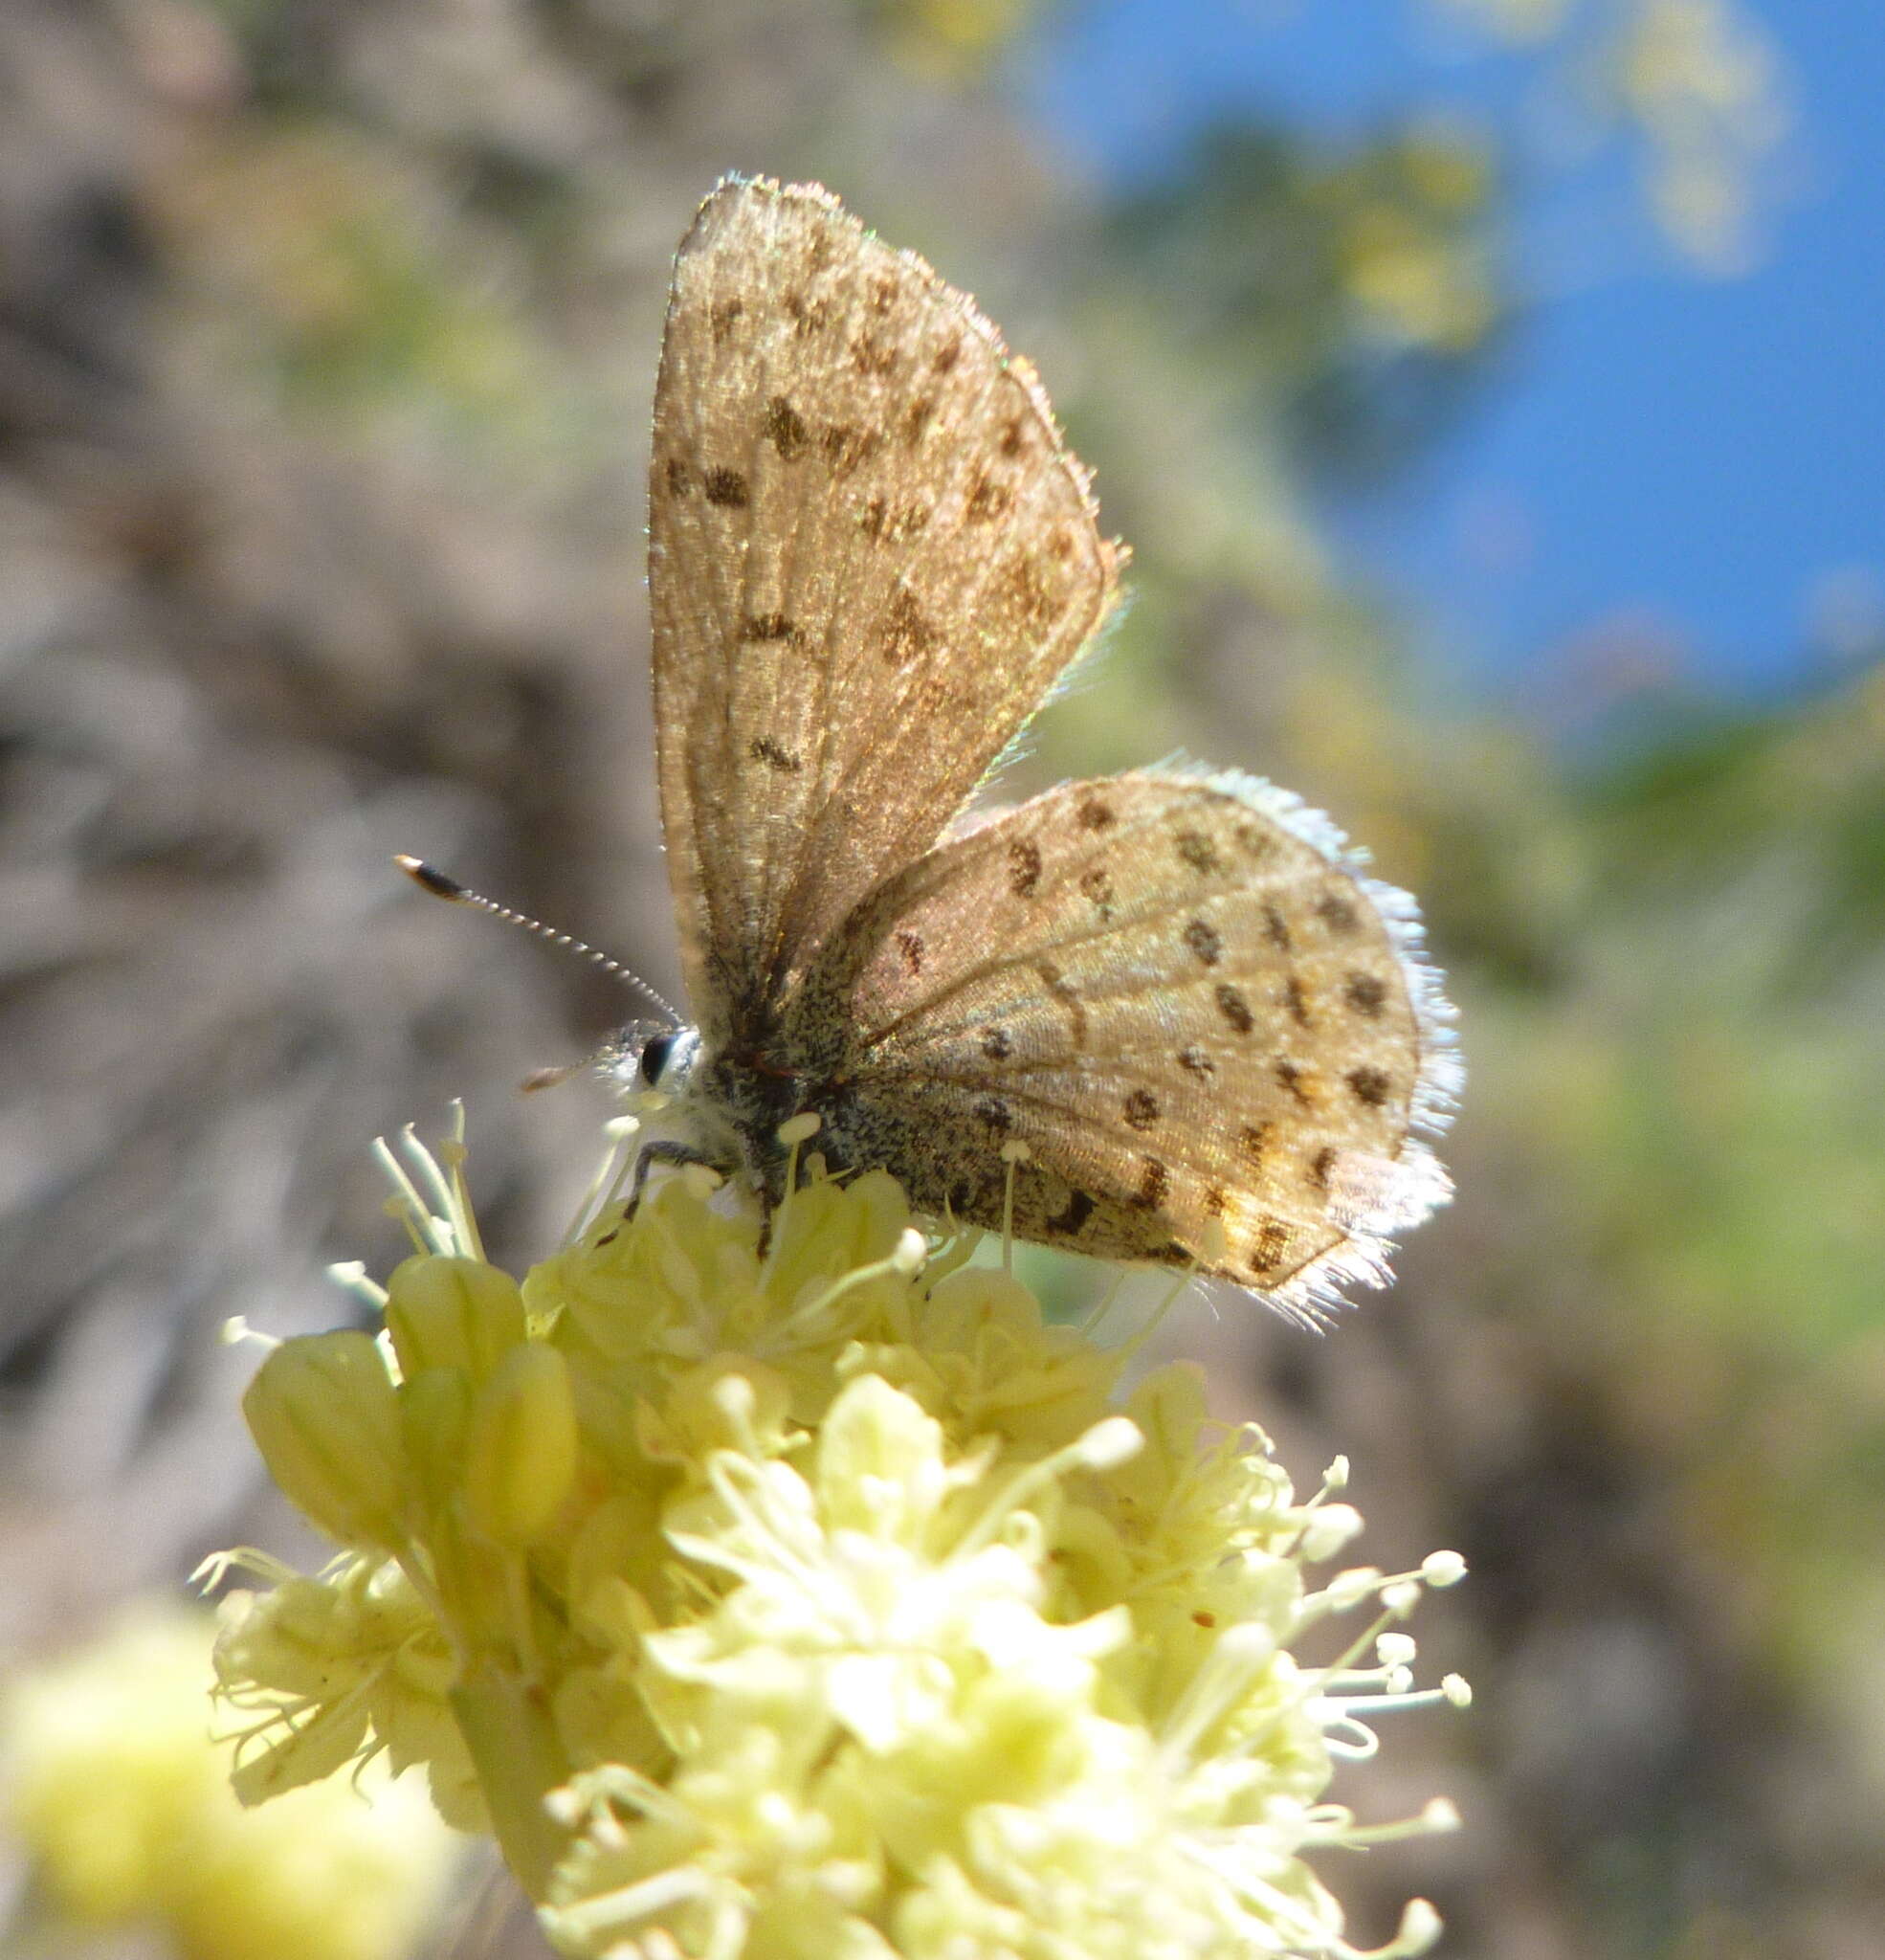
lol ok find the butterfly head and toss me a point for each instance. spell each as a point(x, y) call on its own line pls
point(653, 1056)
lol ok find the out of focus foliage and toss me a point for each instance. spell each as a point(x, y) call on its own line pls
point(326, 333)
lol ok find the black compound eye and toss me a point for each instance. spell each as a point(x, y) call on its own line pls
point(654, 1057)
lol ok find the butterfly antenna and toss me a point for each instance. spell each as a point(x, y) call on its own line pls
point(429, 878)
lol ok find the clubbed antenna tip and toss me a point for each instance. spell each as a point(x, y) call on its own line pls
point(429, 878)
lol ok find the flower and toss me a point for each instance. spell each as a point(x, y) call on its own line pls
point(123, 1799)
point(796, 1591)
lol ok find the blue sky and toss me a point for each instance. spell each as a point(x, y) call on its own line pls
point(1687, 465)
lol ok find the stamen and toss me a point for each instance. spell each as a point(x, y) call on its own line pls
point(1015, 1153)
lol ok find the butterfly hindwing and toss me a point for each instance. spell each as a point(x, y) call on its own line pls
point(1183, 997)
point(870, 556)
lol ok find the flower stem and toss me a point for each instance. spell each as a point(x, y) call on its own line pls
point(506, 1721)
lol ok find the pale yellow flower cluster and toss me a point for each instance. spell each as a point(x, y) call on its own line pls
point(804, 1594)
point(120, 1796)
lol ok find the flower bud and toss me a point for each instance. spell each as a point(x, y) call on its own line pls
point(324, 1415)
point(452, 1313)
point(521, 1460)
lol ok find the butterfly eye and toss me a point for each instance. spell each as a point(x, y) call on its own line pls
point(654, 1055)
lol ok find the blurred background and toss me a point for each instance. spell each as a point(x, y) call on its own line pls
point(1489, 392)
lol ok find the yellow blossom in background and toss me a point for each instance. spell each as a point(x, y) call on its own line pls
point(122, 1800)
point(801, 1594)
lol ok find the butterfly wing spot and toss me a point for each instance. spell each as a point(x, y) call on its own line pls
point(992, 1111)
point(1276, 928)
point(1096, 814)
point(945, 357)
point(1366, 993)
point(1142, 1109)
point(721, 318)
point(1272, 1244)
point(1320, 1165)
point(1296, 1079)
point(873, 356)
point(903, 632)
point(1338, 913)
point(987, 501)
point(1079, 1210)
point(847, 447)
point(917, 418)
point(886, 525)
point(1370, 1086)
point(1197, 850)
point(1207, 943)
point(1254, 1141)
point(910, 945)
point(680, 478)
point(1024, 867)
point(997, 1044)
point(775, 756)
point(1194, 1060)
point(1096, 886)
point(1296, 1001)
point(1235, 1008)
point(1013, 442)
point(726, 488)
point(763, 628)
point(1154, 1184)
point(785, 428)
point(809, 317)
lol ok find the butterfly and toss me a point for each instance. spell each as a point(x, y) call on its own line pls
point(871, 557)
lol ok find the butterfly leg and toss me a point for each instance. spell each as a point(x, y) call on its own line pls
point(668, 1150)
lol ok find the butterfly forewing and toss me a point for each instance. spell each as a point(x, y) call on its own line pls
point(869, 558)
point(1182, 996)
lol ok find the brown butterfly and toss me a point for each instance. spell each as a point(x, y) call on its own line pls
point(871, 557)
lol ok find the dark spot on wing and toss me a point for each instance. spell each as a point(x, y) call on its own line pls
point(1024, 867)
point(725, 487)
point(946, 356)
point(1366, 993)
point(783, 427)
point(720, 318)
point(1254, 1141)
point(917, 418)
point(807, 316)
point(766, 751)
point(997, 1044)
point(1195, 1061)
point(1096, 814)
point(910, 944)
point(1276, 929)
point(1337, 912)
point(1296, 1001)
point(987, 499)
point(846, 447)
point(1206, 940)
point(1272, 1244)
point(1142, 1109)
point(886, 525)
point(1320, 1165)
point(1198, 851)
point(903, 632)
point(1371, 1085)
point(680, 478)
point(873, 356)
point(1079, 1209)
point(1154, 1184)
point(1296, 1079)
point(1012, 442)
point(1096, 885)
point(768, 626)
point(1235, 1008)
point(995, 1113)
